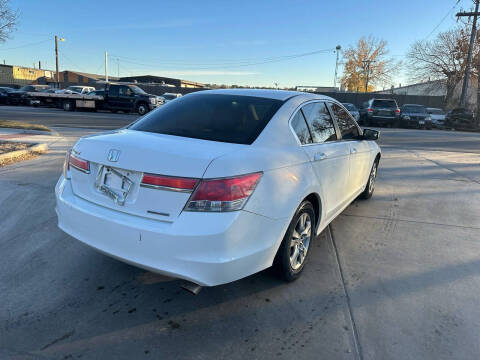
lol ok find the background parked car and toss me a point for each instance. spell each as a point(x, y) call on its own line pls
point(381, 112)
point(4, 94)
point(460, 118)
point(20, 97)
point(169, 97)
point(413, 115)
point(97, 93)
point(80, 89)
point(352, 109)
point(438, 117)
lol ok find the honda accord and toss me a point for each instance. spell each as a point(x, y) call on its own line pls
point(219, 184)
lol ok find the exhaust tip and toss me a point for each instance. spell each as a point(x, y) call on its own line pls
point(191, 287)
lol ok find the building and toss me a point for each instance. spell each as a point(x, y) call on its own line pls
point(20, 75)
point(160, 80)
point(68, 77)
point(320, 89)
point(429, 88)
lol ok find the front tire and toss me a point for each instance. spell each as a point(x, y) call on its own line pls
point(292, 254)
point(142, 108)
point(370, 187)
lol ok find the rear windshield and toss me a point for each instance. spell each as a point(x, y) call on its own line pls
point(216, 117)
point(414, 109)
point(384, 103)
point(436, 111)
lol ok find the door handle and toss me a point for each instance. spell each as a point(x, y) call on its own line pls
point(319, 156)
point(353, 151)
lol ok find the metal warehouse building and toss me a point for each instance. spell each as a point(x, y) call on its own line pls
point(19, 75)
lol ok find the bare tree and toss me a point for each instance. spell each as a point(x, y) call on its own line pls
point(8, 20)
point(380, 70)
point(443, 58)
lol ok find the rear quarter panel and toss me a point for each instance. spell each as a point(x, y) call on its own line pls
point(287, 178)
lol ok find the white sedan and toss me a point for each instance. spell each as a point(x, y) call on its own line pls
point(218, 185)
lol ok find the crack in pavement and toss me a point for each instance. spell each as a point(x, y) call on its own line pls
point(356, 341)
point(413, 221)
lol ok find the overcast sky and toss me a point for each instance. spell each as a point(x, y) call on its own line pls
point(232, 42)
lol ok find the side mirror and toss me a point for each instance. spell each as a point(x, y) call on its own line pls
point(370, 134)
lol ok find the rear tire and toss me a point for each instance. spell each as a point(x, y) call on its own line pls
point(293, 252)
point(68, 106)
point(370, 187)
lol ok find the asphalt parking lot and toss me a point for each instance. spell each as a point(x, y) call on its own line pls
point(395, 277)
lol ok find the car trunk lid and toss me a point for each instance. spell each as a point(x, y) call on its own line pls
point(119, 159)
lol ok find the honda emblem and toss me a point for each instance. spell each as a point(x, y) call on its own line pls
point(113, 155)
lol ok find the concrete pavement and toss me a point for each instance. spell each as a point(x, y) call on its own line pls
point(398, 279)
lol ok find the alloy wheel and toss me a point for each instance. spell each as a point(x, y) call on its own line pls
point(300, 241)
point(373, 176)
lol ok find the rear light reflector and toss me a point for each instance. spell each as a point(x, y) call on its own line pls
point(169, 182)
point(78, 163)
point(228, 194)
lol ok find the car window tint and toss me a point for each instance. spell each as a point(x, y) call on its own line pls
point(347, 125)
point(384, 103)
point(113, 91)
point(123, 91)
point(300, 127)
point(320, 122)
point(217, 117)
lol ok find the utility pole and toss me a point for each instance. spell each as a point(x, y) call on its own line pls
point(366, 64)
point(56, 60)
point(337, 50)
point(56, 57)
point(463, 97)
point(118, 67)
point(106, 66)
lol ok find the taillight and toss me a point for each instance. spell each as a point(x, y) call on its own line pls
point(78, 163)
point(397, 111)
point(370, 110)
point(169, 182)
point(226, 194)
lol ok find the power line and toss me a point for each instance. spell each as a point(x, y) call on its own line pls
point(443, 19)
point(233, 63)
point(26, 45)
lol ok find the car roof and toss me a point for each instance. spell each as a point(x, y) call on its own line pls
point(265, 93)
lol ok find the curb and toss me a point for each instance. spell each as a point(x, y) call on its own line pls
point(32, 132)
point(34, 148)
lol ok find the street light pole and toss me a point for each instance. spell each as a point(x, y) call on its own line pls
point(56, 60)
point(106, 66)
point(337, 50)
point(367, 62)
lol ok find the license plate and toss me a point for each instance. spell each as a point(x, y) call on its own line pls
point(421, 122)
point(114, 183)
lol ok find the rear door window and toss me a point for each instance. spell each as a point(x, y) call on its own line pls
point(113, 91)
point(348, 128)
point(320, 122)
point(216, 117)
point(300, 127)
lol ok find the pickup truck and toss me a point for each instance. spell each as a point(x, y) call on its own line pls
point(116, 97)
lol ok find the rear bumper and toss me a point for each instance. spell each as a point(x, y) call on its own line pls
point(206, 248)
point(382, 120)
